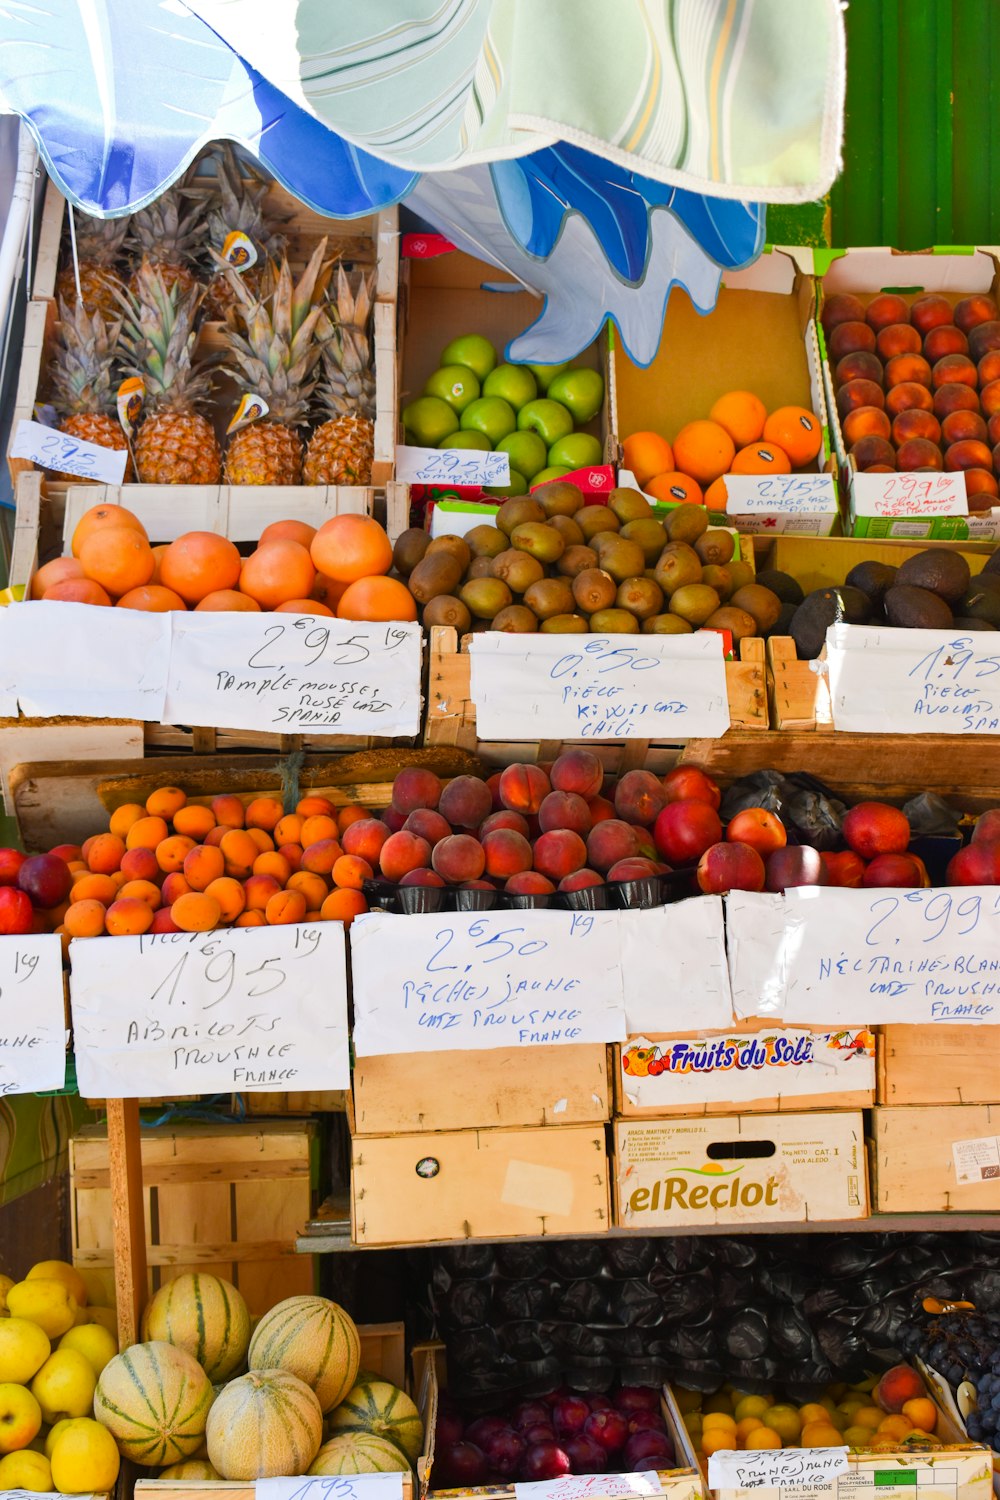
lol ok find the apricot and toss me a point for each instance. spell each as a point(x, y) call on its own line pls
point(989, 398)
point(970, 311)
point(563, 810)
point(730, 867)
point(366, 837)
point(263, 812)
point(897, 1426)
point(909, 368)
point(898, 338)
point(288, 830)
point(415, 787)
point(968, 454)
point(578, 771)
point(146, 833)
point(424, 821)
point(885, 311)
point(351, 871)
point(523, 788)
point(639, 797)
point(960, 426)
point(465, 802)
point(270, 862)
point(993, 434)
point(931, 311)
point(104, 855)
point(90, 887)
point(239, 851)
point(84, 918)
point(945, 339)
point(984, 337)
point(174, 885)
point(914, 423)
point(918, 453)
point(955, 396)
point(560, 852)
point(250, 919)
point(908, 397)
point(293, 854)
point(320, 858)
point(690, 784)
point(315, 806)
point(194, 821)
point(922, 1412)
point(842, 307)
point(871, 828)
point(859, 393)
point(866, 421)
point(205, 863)
point(402, 852)
point(170, 854)
point(873, 450)
point(128, 917)
point(142, 890)
point(761, 829)
point(227, 809)
point(165, 802)
point(849, 338)
point(258, 890)
point(122, 818)
point(343, 906)
point(859, 366)
point(457, 858)
point(506, 852)
point(141, 863)
point(261, 838)
point(316, 828)
point(313, 887)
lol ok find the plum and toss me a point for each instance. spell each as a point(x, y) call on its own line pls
point(545, 1461)
point(460, 1466)
point(586, 1456)
point(46, 879)
point(637, 1398)
point(569, 1414)
point(529, 1414)
point(483, 1428)
point(648, 1450)
point(449, 1429)
point(607, 1427)
point(504, 1451)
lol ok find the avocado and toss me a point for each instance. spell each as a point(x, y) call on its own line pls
point(965, 622)
point(787, 588)
point(874, 579)
point(823, 608)
point(915, 608)
point(938, 571)
point(980, 602)
point(992, 564)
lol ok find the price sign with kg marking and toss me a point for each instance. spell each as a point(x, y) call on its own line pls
point(32, 1015)
point(211, 1012)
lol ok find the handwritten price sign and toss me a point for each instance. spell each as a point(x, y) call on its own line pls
point(333, 1487)
point(591, 1487)
point(458, 466)
point(294, 674)
point(598, 687)
point(32, 1015)
point(58, 451)
point(62, 658)
point(796, 494)
point(776, 1468)
point(459, 981)
point(913, 681)
point(192, 1013)
point(910, 494)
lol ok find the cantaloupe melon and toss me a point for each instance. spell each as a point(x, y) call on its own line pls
point(264, 1425)
point(383, 1410)
point(154, 1399)
point(312, 1338)
point(204, 1315)
point(190, 1468)
point(359, 1453)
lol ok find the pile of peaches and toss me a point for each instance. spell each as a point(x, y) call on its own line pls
point(918, 385)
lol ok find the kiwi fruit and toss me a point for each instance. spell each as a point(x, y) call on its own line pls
point(736, 621)
point(642, 597)
point(677, 565)
point(716, 545)
point(480, 567)
point(456, 546)
point(518, 512)
point(614, 622)
point(568, 530)
point(541, 540)
point(485, 597)
point(486, 541)
point(550, 596)
point(667, 625)
point(519, 570)
point(595, 518)
point(694, 602)
point(565, 625)
point(629, 505)
point(759, 602)
point(621, 558)
point(445, 609)
point(435, 573)
point(719, 578)
point(409, 549)
point(559, 498)
point(516, 619)
point(594, 589)
point(741, 573)
point(575, 559)
point(686, 523)
point(651, 535)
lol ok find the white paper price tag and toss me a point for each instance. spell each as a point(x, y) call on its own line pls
point(755, 930)
point(793, 494)
point(61, 658)
point(470, 980)
point(294, 674)
point(32, 1015)
point(458, 466)
point(598, 687)
point(913, 681)
point(910, 494)
point(211, 1012)
point(51, 449)
point(333, 1487)
point(674, 967)
point(776, 1468)
point(591, 1487)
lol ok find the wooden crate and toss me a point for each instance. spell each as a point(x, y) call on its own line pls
point(229, 1199)
point(504, 1087)
point(939, 1065)
point(913, 1165)
point(478, 1184)
point(329, 1101)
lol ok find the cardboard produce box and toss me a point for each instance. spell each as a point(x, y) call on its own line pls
point(740, 1169)
point(938, 1159)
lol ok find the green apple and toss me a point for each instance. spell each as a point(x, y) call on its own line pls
point(490, 415)
point(527, 452)
point(427, 420)
point(477, 440)
point(455, 384)
point(581, 390)
point(515, 383)
point(579, 450)
point(473, 351)
point(545, 374)
point(518, 486)
point(555, 471)
point(548, 418)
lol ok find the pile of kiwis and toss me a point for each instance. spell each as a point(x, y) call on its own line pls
point(553, 563)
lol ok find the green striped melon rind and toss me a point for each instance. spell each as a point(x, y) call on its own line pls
point(384, 1410)
point(264, 1425)
point(204, 1315)
point(360, 1453)
point(312, 1338)
point(154, 1399)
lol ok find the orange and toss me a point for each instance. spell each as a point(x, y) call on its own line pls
point(277, 571)
point(311, 806)
point(704, 450)
point(230, 601)
point(347, 548)
point(78, 591)
point(158, 552)
point(230, 896)
point(318, 826)
point(128, 917)
point(59, 570)
point(263, 812)
point(99, 517)
point(165, 801)
point(85, 918)
point(647, 454)
point(196, 912)
point(171, 854)
point(123, 817)
point(313, 887)
point(228, 809)
point(303, 607)
point(202, 865)
point(198, 563)
point(377, 599)
point(194, 821)
point(350, 872)
point(795, 430)
point(761, 458)
point(716, 495)
point(285, 907)
point(288, 531)
point(328, 591)
point(118, 558)
point(146, 833)
point(742, 414)
point(343, 906)
point(250, 919)
point(152, 597)
point(675, 488)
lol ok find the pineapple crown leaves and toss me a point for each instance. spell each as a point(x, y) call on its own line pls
point(99, 241)
point(240, 204)
point(348, 377)
point(158, 338)
point(81, 369)
point(172, 228)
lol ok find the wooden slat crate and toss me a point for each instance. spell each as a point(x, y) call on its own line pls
point(914, 1167)
point(939, 1065)
point(229, 1199)
point(332, 1101)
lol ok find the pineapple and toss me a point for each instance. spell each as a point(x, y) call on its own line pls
point(342, 449)
point(272, 352)
point(175, 444)
point(81, 382)
point(99, 246)
point(239, 206)
point(169, 234)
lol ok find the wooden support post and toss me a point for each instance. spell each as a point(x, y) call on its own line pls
point(128, 1217)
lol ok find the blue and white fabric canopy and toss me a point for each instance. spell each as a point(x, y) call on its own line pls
point(602, 151)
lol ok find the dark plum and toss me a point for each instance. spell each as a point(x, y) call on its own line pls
point(569, 1414)
point(586, 1456)
point(545, 1461)
point(609, 1428)
point(648, 1450)
point(529, 1414)
point(504, 1452)
point(460, 1466)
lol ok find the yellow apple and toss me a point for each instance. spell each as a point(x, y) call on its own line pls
point(25, 1471)
point(85, 1459)
point(61, 1270)
point(6, 1282)
point(105, 1317)
point(44, 1301)
point(20, 1417)
point(55, 1433)
point(95, 1343)
point(24, 1348)
point(64, 1386)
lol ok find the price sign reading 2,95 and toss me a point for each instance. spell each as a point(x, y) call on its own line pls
point(294, 674)
point(211, 1012)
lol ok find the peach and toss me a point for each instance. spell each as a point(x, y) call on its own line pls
point(258, 890)
point(580, 880)
point(730, 867)
point(955, 396)
point(859, 366)
point(897, 870)
point(759, 828)
point(843, 867)
point(859, 393)
point(865, 421)
point(415, 787)
point(983, 338)
point(318, 826)
point(849, 338)
point(560, 852)
point(907, 397)
point(493, 782)
point(141, 863)
point(228, 809)
point(230, 895)
point(996, 457)
point(423, 876)
point(987, 827)
point(105, 853)
point(981, 486)
point(285, 907)
point(873, 450)
point(639, 797)
point(564, 810)
point(959, 426)
point(897, 338)
point(979, 308)
point(367, 836)
point(313, 887)
point(194, 821)
point(320, 858)
point(915, 424)
point(908, 368)
point(872, 828)
point(689, 784)
point(71, 853)
point(128, 917)
point(169, 855)
point(600, 809)
point(459, 857)
point(977, 864)
point(885, 311)
point(465, 802)
point(524, 787)
point(919, 453)
point(988, 369)
point(968, 455)
point(609, 841)
point(954, 368)
point(931, 311)
point(392, 819)
point(796, 864)
point(841, 308)
point(174, 885)
point(508, 818)
point(404, 851)
point(205, 863)
point(506, 853)
point(945, 339)
point(578, 771)
point(529, 883)
point(989, 399)
point(900, 1384)
point(637, 868)
point(349, 872)
point(684, 830)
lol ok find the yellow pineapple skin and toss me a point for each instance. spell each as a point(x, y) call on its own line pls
point(98, 285)
point(94, 427)
point(264, 453)
point(177, 448)
point(341, 451)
